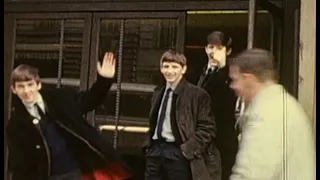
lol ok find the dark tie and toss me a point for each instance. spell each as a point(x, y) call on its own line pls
point(163, 113)
point(43, 121)
point(40, 111)
point(209, 71)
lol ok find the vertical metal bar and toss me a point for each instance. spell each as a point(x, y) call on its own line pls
point(251, 23)
point(272, 28)
point(181, 31)
point(85, 52)
point(61, 42)
point(119, 69)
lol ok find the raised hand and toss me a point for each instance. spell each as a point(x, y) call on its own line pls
point(108, 66)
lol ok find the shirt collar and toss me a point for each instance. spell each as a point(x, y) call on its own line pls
point(172, 86)
point(211, 66)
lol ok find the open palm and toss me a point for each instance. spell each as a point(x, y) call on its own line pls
point(108, 65)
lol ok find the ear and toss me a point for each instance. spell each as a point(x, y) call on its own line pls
point(229, 52)
point(250, 76)
point(206, 49)
point(39, 85)
point(13, 90)
point(184, 69)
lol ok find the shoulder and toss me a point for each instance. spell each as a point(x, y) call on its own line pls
point(198, 91)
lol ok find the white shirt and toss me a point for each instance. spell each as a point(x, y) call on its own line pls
point(166, 130)
point(32, 109)
point(211, 66)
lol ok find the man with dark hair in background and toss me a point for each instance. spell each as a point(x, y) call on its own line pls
point(214, 79)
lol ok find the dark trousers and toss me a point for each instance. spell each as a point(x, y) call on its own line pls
point(165, 161)
point(228, 155)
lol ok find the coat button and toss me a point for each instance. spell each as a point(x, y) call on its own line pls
point(38, 146)
point(35, 121)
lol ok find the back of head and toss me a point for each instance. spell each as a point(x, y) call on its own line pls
point(173, 56)
point(258, 62)
point(24, 72)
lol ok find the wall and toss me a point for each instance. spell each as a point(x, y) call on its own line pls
point(307, 57)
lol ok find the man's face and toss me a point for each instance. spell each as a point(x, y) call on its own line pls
point(172, 71)
point(217, 54)
point(27, 91)
point(241, 83)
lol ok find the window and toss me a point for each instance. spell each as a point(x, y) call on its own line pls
point(52, 45)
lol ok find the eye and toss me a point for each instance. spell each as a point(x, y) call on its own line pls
point(19, 86)
point(30, 84)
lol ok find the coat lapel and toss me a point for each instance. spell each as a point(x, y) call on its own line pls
point(155, 105)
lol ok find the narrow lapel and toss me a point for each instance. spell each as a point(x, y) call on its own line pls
point(156, 101)
point(201, 80)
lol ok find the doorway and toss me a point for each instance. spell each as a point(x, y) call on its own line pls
point(199, 24)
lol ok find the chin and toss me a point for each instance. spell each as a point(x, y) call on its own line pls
point(171, 81)
point(30, 100)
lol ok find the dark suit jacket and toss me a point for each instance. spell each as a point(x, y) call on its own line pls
point(192, 124)
point(223, 101)
point(29, 158)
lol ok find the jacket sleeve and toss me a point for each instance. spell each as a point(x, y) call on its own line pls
point(259, 155)
point(95, 96)
point(205, 129)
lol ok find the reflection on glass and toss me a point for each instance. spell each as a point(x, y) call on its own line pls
point(43, 43)
point(144, 41)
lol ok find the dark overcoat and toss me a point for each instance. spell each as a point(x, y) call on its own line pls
point(29, 155)
point(191, 116)
point(223, 100)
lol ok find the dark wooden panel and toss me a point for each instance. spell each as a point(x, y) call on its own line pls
point(125, 6)
point(9, 29)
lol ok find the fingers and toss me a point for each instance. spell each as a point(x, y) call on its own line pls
point(109, 58)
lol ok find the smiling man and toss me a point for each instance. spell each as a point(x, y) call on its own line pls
point(49, 139)
point(181, 126)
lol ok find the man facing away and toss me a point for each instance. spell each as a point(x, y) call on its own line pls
point(181, 126)
point(48, 138)
point(214, 79)
point(277, 141)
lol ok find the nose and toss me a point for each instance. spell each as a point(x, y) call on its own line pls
point(170, 70)
point(26, 89)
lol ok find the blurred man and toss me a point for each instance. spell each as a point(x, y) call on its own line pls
point(277, 141)
point(181, 127)
point(49, 139)
point(214, 79)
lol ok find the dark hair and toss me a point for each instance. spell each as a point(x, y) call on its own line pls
point(24, 72)
point(173, 56)
point(258, 62)
point(220, 38)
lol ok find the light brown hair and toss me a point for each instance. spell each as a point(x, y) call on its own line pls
point(24, 72)
point(173, 56)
